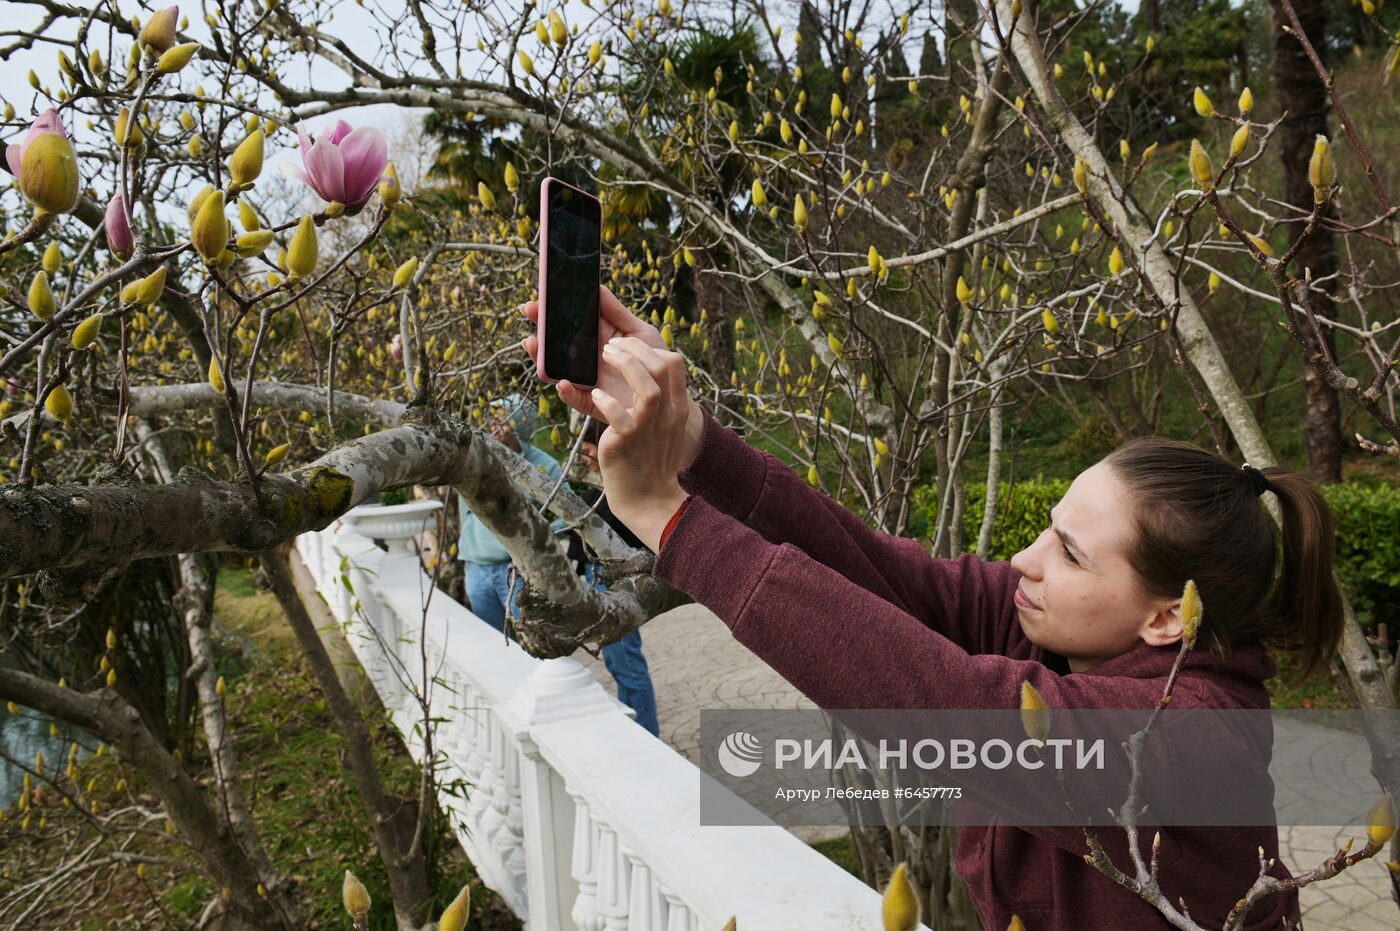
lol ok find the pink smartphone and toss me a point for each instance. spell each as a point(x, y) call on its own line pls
point(571, 246)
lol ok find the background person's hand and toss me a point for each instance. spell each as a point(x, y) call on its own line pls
point(614, 320)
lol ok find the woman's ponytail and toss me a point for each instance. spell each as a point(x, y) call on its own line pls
point(1306, 605)
point(1200, 517)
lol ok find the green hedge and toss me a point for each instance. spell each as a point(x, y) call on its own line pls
point(1367, 517)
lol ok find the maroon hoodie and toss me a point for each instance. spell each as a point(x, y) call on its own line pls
point(859, 619)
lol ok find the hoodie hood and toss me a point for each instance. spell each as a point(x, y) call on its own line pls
point(521, 414)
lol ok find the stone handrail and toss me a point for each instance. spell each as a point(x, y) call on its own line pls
point(576, 816)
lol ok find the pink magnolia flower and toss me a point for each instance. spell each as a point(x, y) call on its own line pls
point(344, 165)
point(118, 229)
point(396, 346)
point(47, 122)
point(49, 179)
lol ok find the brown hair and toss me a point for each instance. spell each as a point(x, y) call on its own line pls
point(1199, 517)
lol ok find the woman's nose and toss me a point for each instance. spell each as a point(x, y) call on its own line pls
point(1027, 562)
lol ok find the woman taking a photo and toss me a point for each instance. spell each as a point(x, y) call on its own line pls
point(1089, 614)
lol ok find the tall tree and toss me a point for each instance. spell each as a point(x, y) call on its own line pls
point(1303, 96)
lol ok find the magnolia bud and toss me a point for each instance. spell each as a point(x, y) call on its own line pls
point(1035, 713)
point(488, 200)
point(85, 333)
point(355, 896)
point(119, 238)
point(389, 191)
point(209, 232)
point(159, 31)
point(216, 375)
point(304, 249)
point(799, 213)
point(176, 58)
point(404, 273)
point(595, 52)
point(150, 288)
point(1246, 101)
point(1203, 105)
point(760, 197)
point(127, 130)
point(276, 454)
point(1201, 168)
point(512, 179)
point(59, 404)
point(248, 217)
point(964, 292)
point(48, 173)
point(254, 243)
point(1380, 824)
point(1191, 611)
point(526, 63)
point(1322, 170)
point(1239, 141)
point(454, 917)
point(192, 210)
point(41, 301)
point(900, 909)
point(247, 161)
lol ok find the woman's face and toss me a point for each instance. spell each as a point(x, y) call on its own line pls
point(1078, 594)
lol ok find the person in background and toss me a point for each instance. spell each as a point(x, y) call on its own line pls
point(624, 658)
point(487, 564)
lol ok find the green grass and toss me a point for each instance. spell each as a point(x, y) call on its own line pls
point(841, 851)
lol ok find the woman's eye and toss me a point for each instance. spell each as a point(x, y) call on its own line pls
point(1069, 555)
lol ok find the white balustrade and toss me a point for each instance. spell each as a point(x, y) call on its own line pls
point(576, 816)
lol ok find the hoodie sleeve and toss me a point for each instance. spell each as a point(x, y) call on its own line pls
point(848, 650)
point(953, 597)
point(844, 646)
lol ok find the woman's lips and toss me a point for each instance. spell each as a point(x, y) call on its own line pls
point(1023, 601)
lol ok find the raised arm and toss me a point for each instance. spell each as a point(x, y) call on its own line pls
point(954, 597)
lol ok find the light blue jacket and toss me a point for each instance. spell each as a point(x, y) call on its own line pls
point(478, 544)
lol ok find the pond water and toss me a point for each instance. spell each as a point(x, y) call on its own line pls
point(22, 738)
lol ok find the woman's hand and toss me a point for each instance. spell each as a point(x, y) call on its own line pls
point(648, 444)
point(654, 427)
point(614, 320)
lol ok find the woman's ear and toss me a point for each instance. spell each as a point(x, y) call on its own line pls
point(1164, 627)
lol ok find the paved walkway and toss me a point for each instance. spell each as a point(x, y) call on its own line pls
point(696, 664)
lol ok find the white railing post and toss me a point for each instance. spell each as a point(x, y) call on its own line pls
point(558, 690)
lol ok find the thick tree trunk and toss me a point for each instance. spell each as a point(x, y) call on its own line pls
point(1303, 95)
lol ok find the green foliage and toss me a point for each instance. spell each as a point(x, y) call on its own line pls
point(1368, 546)
point(1021, 513)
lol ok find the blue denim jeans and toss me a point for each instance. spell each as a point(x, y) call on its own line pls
point(488, 589)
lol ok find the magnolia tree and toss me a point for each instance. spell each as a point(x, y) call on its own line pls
point(859, 261)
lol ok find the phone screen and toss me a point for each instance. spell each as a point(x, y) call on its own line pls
point(571, 285)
